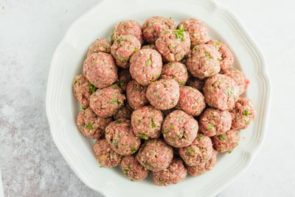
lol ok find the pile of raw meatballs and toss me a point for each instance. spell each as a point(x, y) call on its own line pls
point(161, 98)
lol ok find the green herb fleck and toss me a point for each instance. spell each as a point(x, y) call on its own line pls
point(143, 136)
point(82, 108)
point(210, 126)
point(115, 143)
point(89, 126)
point(153, 124)
point(148, 62)
point(91, 88)
point(246, 112)
point(229, 152)
point(221, 137)
point(115, 101)
point(189, 151)
point(121, 84)
point(133, 149)
point(208, 55)
point(230, 91)
point(179, 33)
point(119, 121)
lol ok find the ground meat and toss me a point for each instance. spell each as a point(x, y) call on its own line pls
point(243, 113)
point(191, 101)
point(120, 136)
point(104, 154)
point(136, 95)
point(128, 27)
point(227, 58)
point(155, 155)
point(124, 78)
point(99, 45)
point(238, 77)
point(132, 169)
point(203, 167)
point(215, 122)
point(153, 27)
point(175, 173)
point(123, 48)
point(163, 94)
point(198, 152)
point(179, 129)
point(82, 90)
point(226, 142)
point(175, 70)
point(203, 61)
point(106, 102)
point(146, 122)
point(196, 83)
point(146, 66)
point(174, 45)
point(90, 125)
point(198, 32)
point(123, 113)
point(100, 69)
point(221, 92)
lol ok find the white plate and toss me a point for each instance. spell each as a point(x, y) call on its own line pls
point(62, 108)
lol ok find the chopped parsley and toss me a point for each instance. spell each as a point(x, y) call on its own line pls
point(153, 124)
point(89, 126)
point(121, 83)
point(221, 137)
point(189, 151)
point(179, 33)
point(115, 101)
point(115, 143)
point(246, 112)
point(148, 62)
point(133, 149)
point(91, 88)
point(143, 136)
point(119, 121)
point(208, 55)
point(210, 126)
point(230, 91)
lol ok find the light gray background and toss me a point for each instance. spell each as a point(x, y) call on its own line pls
point(30, 163)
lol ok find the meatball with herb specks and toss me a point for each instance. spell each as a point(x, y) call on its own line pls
point(243, 113)
point(136, 95)
point(132, 169)
point(226, 142)
point(191, 101)
point(198, 32)
point(146, 66)
point(163, 94)
point(179, 129)
point(203, 61)
point(128, 27)
point(120, 136)
point(198, 152)
point(123, 48)
point(175, 70)
point(82, 90)
point(215, 122)
point(105, 155)
point(90, 125)
point(203, 167)
point(238, 77)
point(106, 102)
point(146, 122)
point(100, 69)
point(174, 45)
point(175, 173)
point(155, 155)
point(154, 26)
point(99, 45)
point(221, 92)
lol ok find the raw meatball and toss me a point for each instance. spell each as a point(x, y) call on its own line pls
point(146, 122)
point(163, 94)
point(227, 58)
point(155, 155)
point(153, 27)
point(120, 136)
point(203, 61)
point(175, 70)
point(106, 102)
point(123, 48)
point(136, 95)
point(132, 169)
point(104, 154)
point(128, 27)
point(199, 152)
point(90, 125)
point(149, 46)
point(242, 114)
point(82, 90)
point(198, 32)
point(191, 101)
point(179, 129)
point(221, 92)
point(99, 45)
point(123, 113)
point(100, 69)
point(174, 44)
point(203, 167)
point(196, 83)
point(215, 122)
point(226, 142)
point(238, 77)
point(146, 66)
point(124, 78)
point(175, 173)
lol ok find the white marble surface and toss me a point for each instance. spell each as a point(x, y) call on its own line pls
point(30, 163)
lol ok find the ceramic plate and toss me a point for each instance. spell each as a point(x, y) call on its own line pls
point(62, 108)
